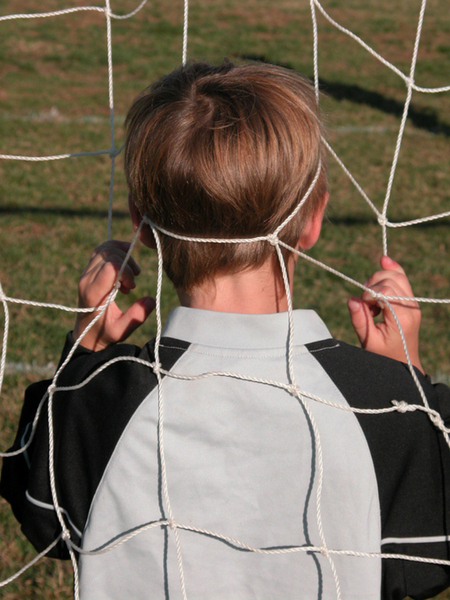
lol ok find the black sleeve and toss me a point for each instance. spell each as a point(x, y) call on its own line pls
point(19, 471)
point(15, 472)
point(411, 461)
point(88, 423)
point(26, 475)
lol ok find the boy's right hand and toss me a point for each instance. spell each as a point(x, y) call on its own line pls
point(383, 337)
point(96, 282)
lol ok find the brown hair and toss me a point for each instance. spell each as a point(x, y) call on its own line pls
point(224, 152)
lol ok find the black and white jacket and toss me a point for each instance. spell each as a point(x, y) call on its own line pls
point(229, 465)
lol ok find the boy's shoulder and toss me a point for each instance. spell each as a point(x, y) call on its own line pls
point(369, 380)
point(115, 359)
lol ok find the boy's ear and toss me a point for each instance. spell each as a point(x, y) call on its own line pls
point(145, 235)
point(311, 232)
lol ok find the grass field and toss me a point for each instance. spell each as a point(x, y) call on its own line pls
point(54, 100)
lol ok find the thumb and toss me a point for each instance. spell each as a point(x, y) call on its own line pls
point(134, 316)
point(388, 263)
point(361, 318)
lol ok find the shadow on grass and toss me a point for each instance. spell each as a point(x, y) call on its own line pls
point(423, 118)
point(362, 220)
point(61, 211)
point(348, 220)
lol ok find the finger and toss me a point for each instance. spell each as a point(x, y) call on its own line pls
point(362, 319)
point(377, 305)
point(392, 274)
point(113, 248)
point(133, 318)
point(127, 273)
point(389, 283)
point(387, 291)
point(119, 255)
point(95, 286)
point(103, 273)
point(119, 244)
point(398, 282)
point(389, 264)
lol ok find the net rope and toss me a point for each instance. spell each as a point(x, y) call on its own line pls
point(290, 386)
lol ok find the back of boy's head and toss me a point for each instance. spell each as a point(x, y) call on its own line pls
point(224, 152)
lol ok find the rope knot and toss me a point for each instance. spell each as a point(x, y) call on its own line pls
point(403, 407)
point(382, 220)
point(292, 389)
point(437, 421)
point(377, 296)
point(65, 535)
point(156, 368)
point(272, 238)
point(172, 524)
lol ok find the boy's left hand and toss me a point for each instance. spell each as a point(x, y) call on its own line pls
point(383, 337)
point(96, 282)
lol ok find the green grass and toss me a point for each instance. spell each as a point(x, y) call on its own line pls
point(54, 99)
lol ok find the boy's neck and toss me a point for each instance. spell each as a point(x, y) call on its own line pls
point(256, 291)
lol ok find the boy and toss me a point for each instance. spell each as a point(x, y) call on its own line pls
point(212, 486)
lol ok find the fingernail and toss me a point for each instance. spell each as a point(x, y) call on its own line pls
point(353, 305)
point(150, 302)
